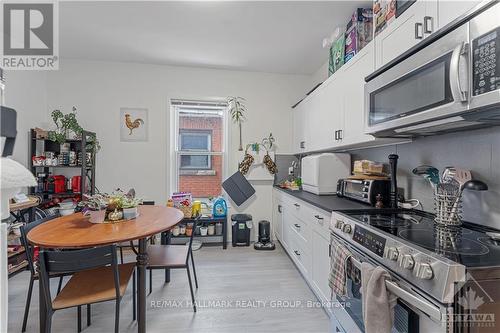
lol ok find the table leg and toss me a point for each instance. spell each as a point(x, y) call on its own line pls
point(166, 241)
point(142, 262)
point(42, 308)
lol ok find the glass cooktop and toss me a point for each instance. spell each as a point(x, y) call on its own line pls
point(468, 245)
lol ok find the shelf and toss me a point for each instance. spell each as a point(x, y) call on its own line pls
point(195, 236)
point(62, 166)
point(13, 254)
point(58, 194)
point(17, 268)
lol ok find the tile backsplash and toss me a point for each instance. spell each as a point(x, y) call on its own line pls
point(477, 150)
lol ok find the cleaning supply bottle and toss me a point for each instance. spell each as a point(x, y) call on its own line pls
point(219, 207)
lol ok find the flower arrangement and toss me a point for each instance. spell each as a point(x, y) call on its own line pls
point(118, 205)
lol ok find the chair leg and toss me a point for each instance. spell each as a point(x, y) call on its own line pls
point(133, 297)
point(150, 281)
point(117, 316)
point(28, 302)
point(79, 320)
point(191, 287)
point(194, 271)
point(59, 285)
point(121, 253)
point(48, 322)
point(88, 315)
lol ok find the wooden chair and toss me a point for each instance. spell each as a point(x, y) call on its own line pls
point(173, 257)
point(32, 266)
point(97, 278)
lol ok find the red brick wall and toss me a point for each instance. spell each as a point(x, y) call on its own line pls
point(203, 186)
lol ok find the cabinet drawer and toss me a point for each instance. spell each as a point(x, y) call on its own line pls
point(300, 256)
point(295, 206)
point(301, 229)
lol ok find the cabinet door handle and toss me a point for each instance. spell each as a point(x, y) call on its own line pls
point(296, 205)
point(318, 217)
point(297, 226)
point(296, 252)
point(279, 209)
point(336, 135)
point(340, 134)
point(302, 144)
point(418, 31)
point(428, 24)
point(330, 250)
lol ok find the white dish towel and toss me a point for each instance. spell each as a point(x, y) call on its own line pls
point(378, 302)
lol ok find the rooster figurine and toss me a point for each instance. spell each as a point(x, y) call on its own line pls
point(132, 124)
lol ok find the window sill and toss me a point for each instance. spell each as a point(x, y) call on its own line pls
point(197, 172)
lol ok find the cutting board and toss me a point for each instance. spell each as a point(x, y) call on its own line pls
point(368, 177)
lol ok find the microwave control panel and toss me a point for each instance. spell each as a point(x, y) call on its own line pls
point(486, 62)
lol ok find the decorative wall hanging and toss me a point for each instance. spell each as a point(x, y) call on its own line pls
point(248, 159)
point(133, 124)
point(237, 110)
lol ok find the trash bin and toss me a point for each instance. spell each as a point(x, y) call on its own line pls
point(241, 223)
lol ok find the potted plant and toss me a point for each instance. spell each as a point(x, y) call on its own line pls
point(237, 110)
point(67, 124)
point(111, 207)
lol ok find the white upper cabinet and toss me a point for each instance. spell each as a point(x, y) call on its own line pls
point(450, 10)
point(300, 127)
point(416, 23)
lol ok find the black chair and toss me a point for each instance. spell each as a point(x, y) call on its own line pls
point(173, 257)
point(25, 229)
point(97, 278)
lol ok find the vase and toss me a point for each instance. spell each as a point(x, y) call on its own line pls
point(130, 213)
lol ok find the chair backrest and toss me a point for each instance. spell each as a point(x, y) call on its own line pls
point(25, 229)
point(196, 221)
point(75, 261)
point(148, 203)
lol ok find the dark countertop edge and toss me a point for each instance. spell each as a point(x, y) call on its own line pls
point(297, 194)
point(433, 37)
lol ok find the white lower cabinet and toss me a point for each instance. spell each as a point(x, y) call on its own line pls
point(306, 239)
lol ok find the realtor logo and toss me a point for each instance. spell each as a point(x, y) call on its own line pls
point(30, 35)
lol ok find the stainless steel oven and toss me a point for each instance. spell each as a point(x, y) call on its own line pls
point(450, 84)
point(413, 313)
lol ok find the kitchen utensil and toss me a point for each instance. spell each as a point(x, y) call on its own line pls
point(428, 172)
point(475, 185)
point(461, 176)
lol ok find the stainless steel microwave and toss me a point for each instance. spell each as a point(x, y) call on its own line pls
point(449, 84)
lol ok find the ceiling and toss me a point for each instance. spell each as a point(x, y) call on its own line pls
point(275, 37)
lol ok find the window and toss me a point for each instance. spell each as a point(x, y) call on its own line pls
point(199, 148)
point(195, 140)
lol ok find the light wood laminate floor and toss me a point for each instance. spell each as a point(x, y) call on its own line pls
point(240, 290)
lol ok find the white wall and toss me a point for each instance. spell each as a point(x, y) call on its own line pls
point(25, 91)
point(99, 89)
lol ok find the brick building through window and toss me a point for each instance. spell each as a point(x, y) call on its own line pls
point(200, 150)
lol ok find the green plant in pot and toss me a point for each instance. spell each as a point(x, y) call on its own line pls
point(237, 109)
point(66, 124)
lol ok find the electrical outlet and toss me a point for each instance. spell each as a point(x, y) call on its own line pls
point(290, 171)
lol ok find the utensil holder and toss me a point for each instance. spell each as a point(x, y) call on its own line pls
point(447, 238)
point(448, 209)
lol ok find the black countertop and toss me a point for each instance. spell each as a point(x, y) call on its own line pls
point(326, 202)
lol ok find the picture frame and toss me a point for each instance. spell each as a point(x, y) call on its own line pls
point(134, 124)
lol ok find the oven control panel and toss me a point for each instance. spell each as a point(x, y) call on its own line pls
point(486, 63)
point(369, 240)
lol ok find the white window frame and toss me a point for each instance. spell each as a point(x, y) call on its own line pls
point(195, 132)
point(174, 153)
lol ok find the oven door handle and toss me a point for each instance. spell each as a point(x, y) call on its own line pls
point(428, 308)
point(455, 81)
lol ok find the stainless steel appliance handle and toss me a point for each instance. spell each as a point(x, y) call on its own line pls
point(426, 307)
point(419, 34)
point(455, 83)
point(428, 24)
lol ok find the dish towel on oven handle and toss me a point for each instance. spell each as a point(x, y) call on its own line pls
point(338, 269)
point(378, 302)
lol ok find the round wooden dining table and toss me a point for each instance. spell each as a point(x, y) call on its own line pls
point(76, 231)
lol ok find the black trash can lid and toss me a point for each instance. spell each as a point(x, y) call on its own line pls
point(241, 217)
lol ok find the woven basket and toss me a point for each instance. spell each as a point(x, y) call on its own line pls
point(187, 210)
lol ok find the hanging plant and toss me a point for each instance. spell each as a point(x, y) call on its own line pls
point(237, 109)
point(66, 123)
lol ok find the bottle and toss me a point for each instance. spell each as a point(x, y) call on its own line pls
point(170, 203)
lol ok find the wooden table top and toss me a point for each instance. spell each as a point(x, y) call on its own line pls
point(75, 231)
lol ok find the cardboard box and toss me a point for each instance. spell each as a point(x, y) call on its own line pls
point(359, 32)
point(336, 55)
